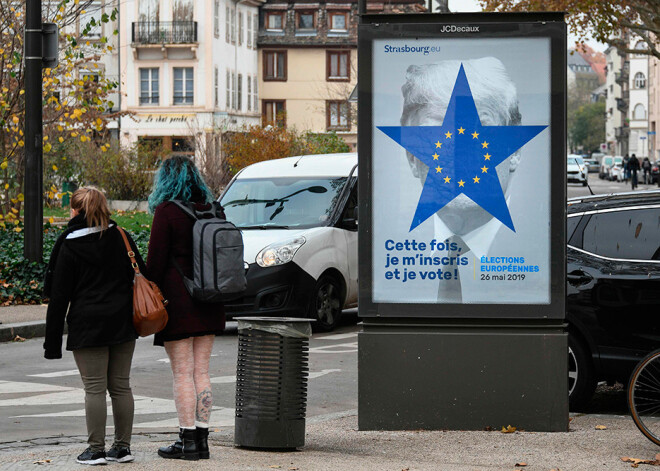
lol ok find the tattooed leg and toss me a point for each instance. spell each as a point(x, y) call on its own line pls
point(202, 347)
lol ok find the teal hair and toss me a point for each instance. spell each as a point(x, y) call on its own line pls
point(178, 179)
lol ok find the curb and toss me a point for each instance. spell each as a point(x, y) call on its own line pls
point(26, 330)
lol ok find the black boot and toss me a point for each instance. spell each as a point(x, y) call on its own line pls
point(184, 447)
point(202, 442)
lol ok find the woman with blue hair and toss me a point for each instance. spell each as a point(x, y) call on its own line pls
point(192, 326)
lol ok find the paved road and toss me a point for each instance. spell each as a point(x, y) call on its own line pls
point(599, 186)
point(44, 398)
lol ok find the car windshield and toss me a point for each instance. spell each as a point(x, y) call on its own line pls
point(277, 203)
point(572, 161)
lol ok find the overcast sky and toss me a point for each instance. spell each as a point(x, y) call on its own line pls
point(473, 5)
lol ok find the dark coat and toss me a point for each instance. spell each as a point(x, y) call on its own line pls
point(633, 164)
point(92, 279)
point(171, 237)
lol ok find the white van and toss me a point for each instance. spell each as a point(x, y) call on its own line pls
point(298, 216)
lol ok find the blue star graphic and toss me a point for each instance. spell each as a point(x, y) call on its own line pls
point(462, 156)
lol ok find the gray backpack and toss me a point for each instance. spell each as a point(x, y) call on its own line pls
point(218, 266)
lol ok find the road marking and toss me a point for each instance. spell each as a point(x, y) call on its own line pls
point(221, 417)
point(338, 336)
point(339, 348)
point(57, 374)
point(11, 387)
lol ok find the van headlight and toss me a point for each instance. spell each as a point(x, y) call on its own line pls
point(279, 253)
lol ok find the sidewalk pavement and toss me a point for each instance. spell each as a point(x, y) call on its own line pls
point(334, 443)
point(26, 321)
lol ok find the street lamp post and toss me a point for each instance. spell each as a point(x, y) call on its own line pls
point(33, 182)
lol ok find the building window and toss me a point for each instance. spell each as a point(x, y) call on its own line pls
point(274, 112)
point(183, 86)
point(255, 93)
point(305, 21)
point(249, 93)
point(183, 146)
point(255, 31)
point(240, 28)
point(228, 89)
point(228, 24)
point(239, 93)
point(641, 45)
point(274, 21)
point(249, 30)
point(233, 25)
point(337, 116)
point(639, 112)
point(338, 22)
point(216, 18)
point(149, 87)
point(338, 66)
point(216, 86)
point(275, 65)
point(640, 80)
point(90, 20)
point(233, 90)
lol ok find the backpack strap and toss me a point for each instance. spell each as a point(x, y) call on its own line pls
point(186, 209)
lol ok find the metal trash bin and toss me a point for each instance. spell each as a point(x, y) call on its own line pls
point(271, 382)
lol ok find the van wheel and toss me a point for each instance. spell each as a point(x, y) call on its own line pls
point(581, 380)
point(325, 304)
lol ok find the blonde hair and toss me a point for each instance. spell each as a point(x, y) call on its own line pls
point(91, 203)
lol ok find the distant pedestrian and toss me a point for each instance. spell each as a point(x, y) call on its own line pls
point(646, 167)
point(633, 167)
point(626, 170)
point(192, 326)
point(90, 276)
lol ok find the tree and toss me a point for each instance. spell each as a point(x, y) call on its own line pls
point(603, 20)
point(76, 102)
point(587, 131)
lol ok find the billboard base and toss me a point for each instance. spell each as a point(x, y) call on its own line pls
point(457, 376)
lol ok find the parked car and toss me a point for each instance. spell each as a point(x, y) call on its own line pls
point(576, 171)
point(655, 172)
point(613, 288)
point(592, 165)
point(298, 216)
point(605, 163)
point(615, 172)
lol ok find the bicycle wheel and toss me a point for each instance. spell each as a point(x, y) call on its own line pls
point(644, 396)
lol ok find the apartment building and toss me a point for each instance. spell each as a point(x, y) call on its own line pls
point(188, 71)
point(654, 108)
point(616, 127)
point(638, 142)
point(308, 62)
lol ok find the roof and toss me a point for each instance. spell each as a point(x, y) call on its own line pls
point(318, 165)
point(613, 200)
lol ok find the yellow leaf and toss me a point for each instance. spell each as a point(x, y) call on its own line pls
point(5, 89)
point(21, 143)
point(17, 222)
point(20, 197)
point(17, 229)
point(47, 148)
point(61, 139)
point(15, 119)
point(51, 220)
point(6, 185)
point(55, 168)
point(601, 427)
point(3, 165)
point(45, 138)
point(21, 92)
point(60, 128)
point(508, 429)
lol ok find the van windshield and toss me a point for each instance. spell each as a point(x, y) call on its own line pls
point(260, 203)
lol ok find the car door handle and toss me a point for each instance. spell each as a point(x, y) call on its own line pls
point(578, 277)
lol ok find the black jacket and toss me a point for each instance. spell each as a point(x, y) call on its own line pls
point(92, 279)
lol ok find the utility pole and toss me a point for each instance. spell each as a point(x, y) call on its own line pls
point(33, 182)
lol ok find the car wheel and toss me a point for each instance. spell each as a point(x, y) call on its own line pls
point(325, 304)
point(581, 379)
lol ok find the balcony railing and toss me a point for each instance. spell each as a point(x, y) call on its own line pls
point(165, 32)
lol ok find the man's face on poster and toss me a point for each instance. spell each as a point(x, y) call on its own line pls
point(461, 215)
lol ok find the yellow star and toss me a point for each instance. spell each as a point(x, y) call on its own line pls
point(484, 169)
point(447, 179)
point(461, 130)
point(484, 145)
point(438, 169)
point(438, 144)
point(476, 179)
point(475, 135)
point(448, 135)
point(435, 156)
point(487, 156)
point(461, 183)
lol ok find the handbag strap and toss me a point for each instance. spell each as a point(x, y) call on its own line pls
point(131, 254)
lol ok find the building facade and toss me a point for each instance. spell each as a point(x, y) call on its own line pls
point(308, 62)
point(654, 108)
point(188, 71)
point(638, 142)
point(615, 134)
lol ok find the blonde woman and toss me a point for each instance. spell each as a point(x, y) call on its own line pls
point(89, 283)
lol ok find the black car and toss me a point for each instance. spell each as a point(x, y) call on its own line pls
point(613, 288)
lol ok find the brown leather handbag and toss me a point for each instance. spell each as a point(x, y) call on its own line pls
point(149, 313)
